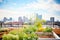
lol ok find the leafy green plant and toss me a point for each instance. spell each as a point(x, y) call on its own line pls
point(48, 29)
point(28, 33)
point(10, 37)
point(14, 32)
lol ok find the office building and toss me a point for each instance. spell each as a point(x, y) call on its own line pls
point(52, 19)
point(39, 16)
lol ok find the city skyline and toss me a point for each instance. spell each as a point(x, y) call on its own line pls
point(26, 19)
point(28, 8)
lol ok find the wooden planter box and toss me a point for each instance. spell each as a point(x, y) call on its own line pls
point(51, 38)
point(56, 30)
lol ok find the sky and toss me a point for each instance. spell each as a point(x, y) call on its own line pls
point(28, 8)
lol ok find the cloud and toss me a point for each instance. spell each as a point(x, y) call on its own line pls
point(41, 4)
point(44, 7)
point(14, 14)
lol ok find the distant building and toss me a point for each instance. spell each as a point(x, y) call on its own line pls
point(12, 24)
point(4, 19)
point(52, 19)
point(25, 19)
point(10, 18)
point(20, 20)
point(1, 23)
point(39, 16)
point(57, 23)
point(50, 22)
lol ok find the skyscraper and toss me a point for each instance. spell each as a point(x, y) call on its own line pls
point(39, 16)
point(52, 19)
point(10, 18)
point(4, 19)
point(25, 19)
point(20, 19)
point(7, 19)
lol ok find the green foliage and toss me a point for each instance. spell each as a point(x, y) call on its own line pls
point(28, 33)
point(30, 29)
point(14, 32)
point(48, 29)
point(10, 37)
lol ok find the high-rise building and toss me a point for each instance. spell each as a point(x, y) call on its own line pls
point(4, 19)
point(25, 19)
point(10, 18)
point(20, 19)
point(52, 19)
point(39, 16)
